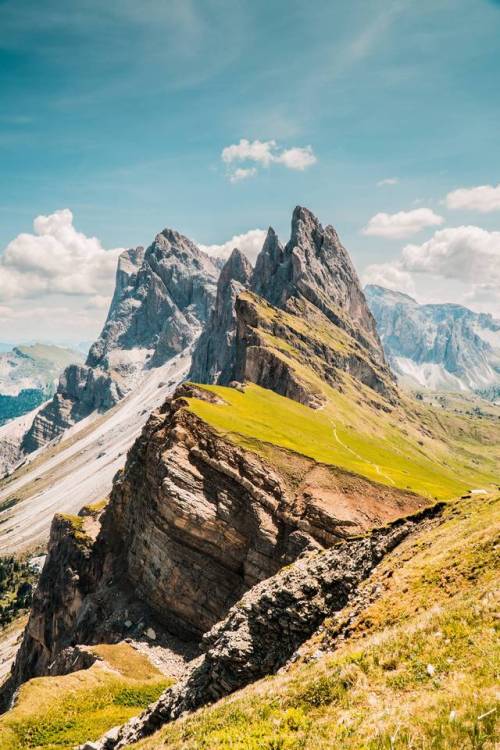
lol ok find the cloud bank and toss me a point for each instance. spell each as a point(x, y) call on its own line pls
point(461, 263)
point(250, 243)
point(56, 259)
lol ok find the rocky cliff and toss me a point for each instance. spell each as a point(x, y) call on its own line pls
point(438, 346)
point(163, 296)
point(305, 295)
point(261, 633)
point(193, 522)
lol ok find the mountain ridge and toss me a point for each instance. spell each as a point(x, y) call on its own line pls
point(438, 346)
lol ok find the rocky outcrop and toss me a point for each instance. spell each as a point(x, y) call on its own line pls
point(81, 390)
point(193, 522)
point(302, 304)
point(438, 346)
point(265, 628)
point(214, 356)
point(163, 296)
point(315, 265)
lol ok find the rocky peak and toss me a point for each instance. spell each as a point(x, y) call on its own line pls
point(236, 268)
point(163, 297)
point(311, 279)
point(439, 346)
point(214, 356)
point(315, 264)
point(269, 261)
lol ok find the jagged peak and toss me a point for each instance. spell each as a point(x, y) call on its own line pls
point(169, 243)
point(236, 268)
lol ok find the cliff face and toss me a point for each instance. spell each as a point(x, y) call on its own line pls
point(214, 355)
point(193, 522)
point(302, 304)
point(270, 622)
point(163, 296)
point(442, 347)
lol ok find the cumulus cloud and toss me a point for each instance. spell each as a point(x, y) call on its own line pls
point(483, 198)
point(402, 224)
point(56, 259)
point(265, 153)
point(242, 174)
point(462, 264)
point(250, 243)
point(390, 276)
point(467, 253)
point(388, 181)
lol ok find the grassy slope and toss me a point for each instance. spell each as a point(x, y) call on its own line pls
point(430, 455)
point(419, 671)
point(434, 452)
point(61, 712)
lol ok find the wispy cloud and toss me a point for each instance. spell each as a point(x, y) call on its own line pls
point(388, 181)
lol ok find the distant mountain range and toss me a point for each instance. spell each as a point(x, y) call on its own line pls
point(438, 346)
point(28, 376)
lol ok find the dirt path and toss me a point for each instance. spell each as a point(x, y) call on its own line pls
point(359, 457)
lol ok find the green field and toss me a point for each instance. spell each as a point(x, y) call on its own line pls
point(58, 713)
point(421, 455)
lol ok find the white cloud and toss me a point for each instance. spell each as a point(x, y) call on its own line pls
point(467, 253)
point(250, 243)
point(297, 158)
point(483, 198)
point(56, 259)
point(242, 174)
point(402, 224)
point(391, 276)
point(388, 181)
point(457, 264)
point(265, 153)
point(245, 150)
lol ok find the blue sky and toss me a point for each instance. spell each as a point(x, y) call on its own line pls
point(119, 111)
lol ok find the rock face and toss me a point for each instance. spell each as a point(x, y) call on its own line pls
point(324, 319)
point(193, 522)
point(214, 356)
point(163, 296)
point(262, 632)
point(442, 347)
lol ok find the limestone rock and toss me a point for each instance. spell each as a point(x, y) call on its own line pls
point(163, 296)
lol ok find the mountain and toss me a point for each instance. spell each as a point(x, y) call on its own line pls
point(28, 375)
point(438, 346)
point(163, 295)
point(248, 515)
point(306, 295)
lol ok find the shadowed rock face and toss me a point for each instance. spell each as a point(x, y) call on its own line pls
point(270, 622)
point(163, 296)
point(312, 278)
point(213, 358)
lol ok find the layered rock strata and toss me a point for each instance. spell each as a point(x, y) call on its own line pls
point(261, 633)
